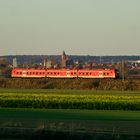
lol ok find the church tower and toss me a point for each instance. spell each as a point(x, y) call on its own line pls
point(63, 60)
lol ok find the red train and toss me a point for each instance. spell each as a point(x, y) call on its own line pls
point(63, 73)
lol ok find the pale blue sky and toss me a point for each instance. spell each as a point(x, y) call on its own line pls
point(82, 27)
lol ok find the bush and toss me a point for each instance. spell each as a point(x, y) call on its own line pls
point(99, 84)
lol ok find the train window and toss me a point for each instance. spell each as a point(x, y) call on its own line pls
point(40, 73)
point(71, 73)
point(33, 73)
point(87, 73)
point(17, 72)
point(54, 73)
point(79, 73)
point(58, 73)
point(83, 73)
point(75, 73)
point(90, 73)
point(36, 73)
point(27, 72)
point(20, 72)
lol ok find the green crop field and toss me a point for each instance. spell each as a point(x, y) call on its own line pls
point(125, 123)
point(69, 114)
point(116, 113)
point(60, 91)
point(70, 99)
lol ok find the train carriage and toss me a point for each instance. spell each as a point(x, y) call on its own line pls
point(96, 73)
point(61, 73)
point(28, 73)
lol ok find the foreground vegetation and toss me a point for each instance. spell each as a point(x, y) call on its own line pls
point(65, 115)
point(70, 99)
point(96, 84)
point(69, 114)
point(69, 124)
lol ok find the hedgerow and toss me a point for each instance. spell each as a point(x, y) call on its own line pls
point(96, 84)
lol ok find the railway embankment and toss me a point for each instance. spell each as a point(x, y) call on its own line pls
point(94, 84)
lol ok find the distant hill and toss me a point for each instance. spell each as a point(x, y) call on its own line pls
point(36, 59)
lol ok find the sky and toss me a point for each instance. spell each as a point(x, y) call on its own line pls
point(80, 27)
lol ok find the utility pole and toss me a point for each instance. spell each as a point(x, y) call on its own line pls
point(123, 70)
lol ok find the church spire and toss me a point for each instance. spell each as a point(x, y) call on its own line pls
point(63, 59)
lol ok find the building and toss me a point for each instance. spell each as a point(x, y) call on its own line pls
point(63, 59)
point(47, 63)
point(15, 62)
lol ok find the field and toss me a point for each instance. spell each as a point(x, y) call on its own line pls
point(89, 122)
point(70, 99)
point(68, 115)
